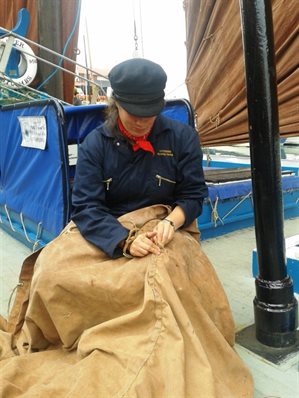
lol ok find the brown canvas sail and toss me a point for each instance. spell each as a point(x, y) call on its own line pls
point(215, 68)
point(52, 24)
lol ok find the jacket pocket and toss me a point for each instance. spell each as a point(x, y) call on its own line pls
point(163, 180)
point(107, 183)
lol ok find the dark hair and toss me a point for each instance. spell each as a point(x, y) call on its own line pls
point(111, 113)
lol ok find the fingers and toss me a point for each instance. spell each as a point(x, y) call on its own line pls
point(165, 232)
point(144, 244)
point(153, 241)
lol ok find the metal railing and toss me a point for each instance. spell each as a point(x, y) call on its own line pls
point(13, 91)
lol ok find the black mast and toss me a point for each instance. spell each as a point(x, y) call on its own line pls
point(275, 307)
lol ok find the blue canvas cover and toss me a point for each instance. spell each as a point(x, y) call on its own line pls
point(34, 187)
point(239, 189)
point(80, 120)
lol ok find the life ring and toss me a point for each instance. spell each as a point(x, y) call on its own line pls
point(27, 66)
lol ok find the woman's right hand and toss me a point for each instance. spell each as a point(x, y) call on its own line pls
point(144, 244)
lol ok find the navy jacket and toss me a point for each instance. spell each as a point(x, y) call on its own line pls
point(111, 179)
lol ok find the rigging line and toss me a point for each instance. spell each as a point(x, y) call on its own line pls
point(237, 205)
point(141, 31)
point(171, 91)
point(50, 51)
point(64, 69)
point(135, 36)
point(135, 29)
point(138, 27)
point(60, 67)
point(64, 48)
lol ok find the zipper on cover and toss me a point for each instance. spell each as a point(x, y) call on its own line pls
point(160, 179)
point(107, 182)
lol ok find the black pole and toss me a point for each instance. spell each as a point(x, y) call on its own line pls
point(275, 307)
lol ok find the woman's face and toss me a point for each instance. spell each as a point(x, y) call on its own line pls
point(135, 125)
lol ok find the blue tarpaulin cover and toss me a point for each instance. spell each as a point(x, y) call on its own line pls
point(239, 189)
point(34, 182)
point(80, 120)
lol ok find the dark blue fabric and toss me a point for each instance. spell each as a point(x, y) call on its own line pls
point(242, 188)
point(229, 190)
point(179, 110)
point(112, 180)
point(34, 182)
point(290, 183)
point(81, 120)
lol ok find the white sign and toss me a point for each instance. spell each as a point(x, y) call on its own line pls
point(34, 131)
point(73, 154)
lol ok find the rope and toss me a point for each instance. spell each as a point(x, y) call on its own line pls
point(19, 284)
point(215, 120)
point(209, 158)
point(37, 237)
point(24, 229)
point(131, 237)
point(214, 214)
point(237, 205)
point(9, 220)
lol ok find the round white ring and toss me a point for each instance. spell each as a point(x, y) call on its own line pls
point(27, 65)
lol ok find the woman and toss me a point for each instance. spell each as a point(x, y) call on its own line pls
point(138, 158)
point(124, 303)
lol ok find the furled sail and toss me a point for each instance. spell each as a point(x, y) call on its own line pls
point(215, 69)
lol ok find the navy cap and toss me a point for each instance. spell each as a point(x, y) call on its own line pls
point(138, 86)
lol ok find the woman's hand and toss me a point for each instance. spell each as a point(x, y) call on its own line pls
point(165, 231)
point(166, 228)
point(144, 244)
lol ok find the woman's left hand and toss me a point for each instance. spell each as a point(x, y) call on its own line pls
point(165, 232)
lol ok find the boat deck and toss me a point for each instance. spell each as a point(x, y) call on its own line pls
point(231, 256)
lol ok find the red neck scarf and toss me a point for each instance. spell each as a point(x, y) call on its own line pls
point(139, 142)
